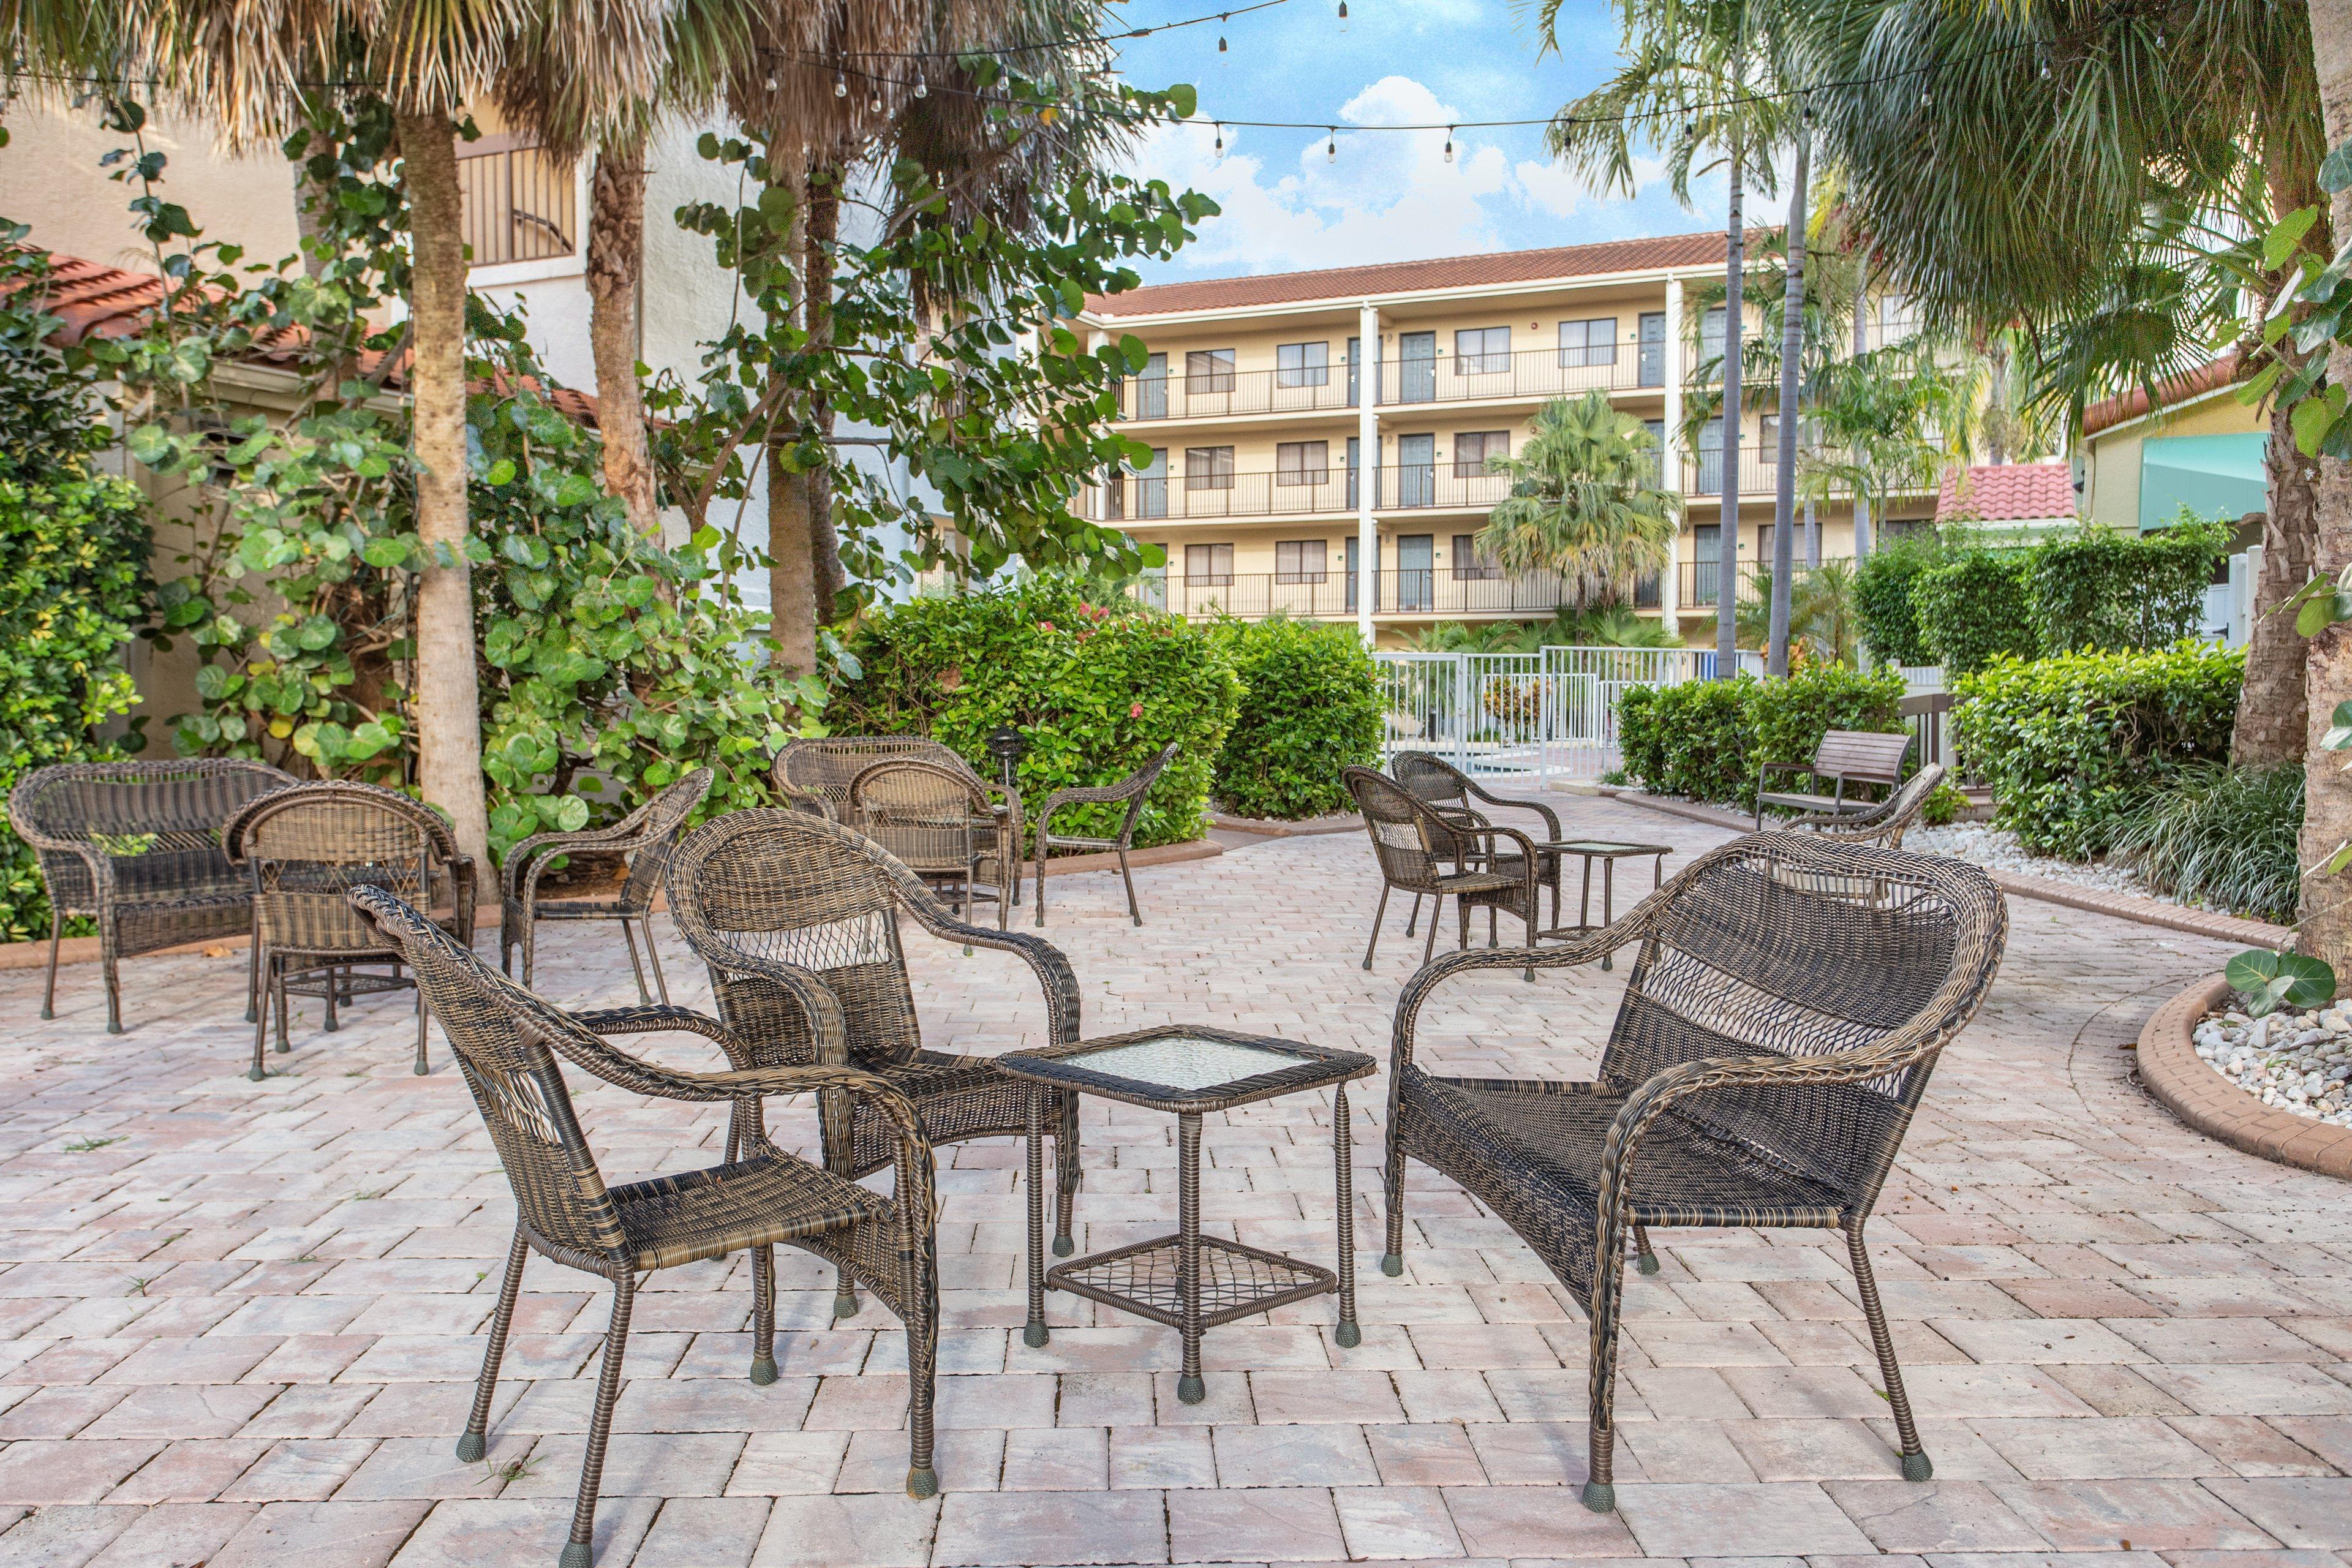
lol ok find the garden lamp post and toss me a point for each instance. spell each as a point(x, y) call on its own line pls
point(1008, 746)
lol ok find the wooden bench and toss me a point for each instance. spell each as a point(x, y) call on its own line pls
point(1843, 757)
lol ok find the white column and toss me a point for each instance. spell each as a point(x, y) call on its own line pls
point(1096, 339)
point(1670, 458)
point(1367, 462)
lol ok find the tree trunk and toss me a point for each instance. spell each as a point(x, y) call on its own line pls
point(616, 260)
point(2326, 925)
point(1812, 538)
point(1726, 533)
point(449, 698)
point(816, 288)
point(791, 576)
point(1997, 402)
point(307, 225)
point(2271, 711)
point(1792, 348)
point(1862, 541)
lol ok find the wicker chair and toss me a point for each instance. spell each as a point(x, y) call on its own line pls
point(136, 845)
point(815, 775)
point(767, 896)
point(1884, 823)
point(936, 820)
point(303, 850)
point(1131, 790)
point(1448, 788)
point(507, 1043)
point(1431, 851)
point(643, 838)
point(1787, 1005)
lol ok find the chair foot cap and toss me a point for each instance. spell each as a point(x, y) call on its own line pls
point(764, 1369)
point(1348, 1336)
point(471, 1446)
point(116, 1028)
point(281, 1048)
point(1391, 1265)
point(1917, 1467)
point(845, 1305)
point(1063, 1246)
point(1600, 1497)
point(922, 1483)
point(1192, 1390)
point(1647, 1263)
point(256, 1075)
point(249, 1016)
point(1034, 1335)
point(333, 1027)
point(420, 1070)
point(576, 1554)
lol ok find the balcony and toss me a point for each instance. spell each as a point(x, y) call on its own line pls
point(1436, 487)
point(1220, 395)
point(1698, 580)
point(1439, 592)
point(1527, 373)
point(519, 203)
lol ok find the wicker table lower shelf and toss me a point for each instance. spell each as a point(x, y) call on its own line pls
point(1147, 1280)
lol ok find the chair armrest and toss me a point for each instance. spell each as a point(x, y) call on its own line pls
point(1551, 817)
point(828, 1028)
point(1055, 976)
point(1764, 768)
point(651, 1078)
point(617, 839)
point(658, 1017)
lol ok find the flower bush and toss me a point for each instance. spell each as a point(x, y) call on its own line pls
point(2071, 745)
point(1705, 739)
point(1310, 707)
point(1096, 687)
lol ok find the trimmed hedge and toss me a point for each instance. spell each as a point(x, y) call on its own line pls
point(1882, 596)
point(2071, 745)
point(1705, 739)
point(1976, 608)
point(1310, 706)
point(1096, 687)
point(2104, 589)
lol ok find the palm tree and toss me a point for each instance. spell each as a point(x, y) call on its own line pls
point(1821, 618)
point(1886, 422)
point(1584, 499)
point(1707, 71)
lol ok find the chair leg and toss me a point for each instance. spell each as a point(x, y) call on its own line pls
point(580, 1551)
point(1461, 919)
point(844, 1296)
point(653, 962)
point(475, 1441)
point(1380, 914)
point(1066, 1172)
point(49, 995)
point(1916, 1466)
point(1429, 946)
point(277, 966)
point(1348, 1335)
point(261, 1018)
point(114, 979)
point(1645, 1257)
point(1608, 1281)
point(423, 1021)
point(1128, 877)
point(763, 1315)
point(1034, 1333)
point(1041, 880)
point(1393, 1182)
point(637, 969)
point(252, 978)
point(334, 984)
point(922, 1330)
point(1414, 918)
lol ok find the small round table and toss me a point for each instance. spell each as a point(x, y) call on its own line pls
point(1189, 1281)
point(1608, 853)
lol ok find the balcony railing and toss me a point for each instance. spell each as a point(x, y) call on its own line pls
point(1439, 592)
point(1698, 580)
point(1134, 498)
point(1529, 372)
point(1214, 394)
point(519, 202)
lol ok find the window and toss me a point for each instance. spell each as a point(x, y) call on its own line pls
point(515, 201)
point(1302, 463)
point(1209, 564)
point(1481, 351)
point(1474, 448)
point(1588, 342)
point(1770, 434)
point(1300, 561)
point(1209, 370)
point(1302, 365)
point(1208, 467)
point(1710, 335)
point(1469, 566)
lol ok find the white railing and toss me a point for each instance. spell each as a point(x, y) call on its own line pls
point(1549, 714)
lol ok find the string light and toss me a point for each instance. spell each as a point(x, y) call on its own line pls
point(1221, 140)
point(840, 85)
point(1343, 10)
point(1331, 147)
point(920, 89)
point(874, 104)
point(1222, 19)
point(1449, 144)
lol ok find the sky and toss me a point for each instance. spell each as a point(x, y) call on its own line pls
point(1388, 196)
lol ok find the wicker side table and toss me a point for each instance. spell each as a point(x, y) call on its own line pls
point(1608, 853)
point(1189, 1281)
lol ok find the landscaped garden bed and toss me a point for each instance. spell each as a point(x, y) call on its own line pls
point(2300, 1063)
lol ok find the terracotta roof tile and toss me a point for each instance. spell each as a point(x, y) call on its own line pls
point(2007, 492)
point(1408, 277)
point(2210, 376)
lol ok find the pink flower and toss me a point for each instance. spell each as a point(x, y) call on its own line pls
point(1044, 625)
point(1135, 710)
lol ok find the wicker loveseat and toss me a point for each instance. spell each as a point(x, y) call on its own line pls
point(137, 846)
point(1787, 1004)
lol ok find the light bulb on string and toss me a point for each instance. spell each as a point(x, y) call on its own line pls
point(1221, 140)
point(874, 104)
point(1343, 15)
point(921, 90)
point(1449, 144)
point(1331, 147)
point(1221, 20)
point(840, 85)
point(772, 81)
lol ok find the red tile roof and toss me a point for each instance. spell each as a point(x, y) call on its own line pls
point(2007, 492)
point(2210, 376)
point(1408, 277)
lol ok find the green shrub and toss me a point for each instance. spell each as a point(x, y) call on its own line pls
point(1787, 717)
point(2224, 836)
point(2069, 745)
point(2104, 588)
point(1976, 608)
point(1883, 602)
point(1310, 706)
point(1096, 689)
point(73, 569)
point(1705, 739)
point(1943, 807)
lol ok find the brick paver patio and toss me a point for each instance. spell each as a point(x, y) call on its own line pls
point(238, 1321)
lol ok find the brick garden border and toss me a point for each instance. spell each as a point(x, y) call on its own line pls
point(2184, 1085)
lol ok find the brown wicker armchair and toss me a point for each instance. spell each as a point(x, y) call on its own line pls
point(936, 820)
point(766, 897)
point(1451, 791)
point(1884, 823)
point(303, 850)
point(1131, 790)
point(1787, 1005)
point(1428, 851)
point(507, 1043)
point(137, 846)
point(643, 838)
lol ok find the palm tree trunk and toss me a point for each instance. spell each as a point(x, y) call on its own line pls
point(1997, 401)
point(1792, 348)
point(1812, 538)
point(2271, 716)
point(1726, 541)
point(2325, 928)
point(791, 575)
point(307, 227)
point(1862, 540)
point(449, 698)
point(816, 286)
point(616, 258)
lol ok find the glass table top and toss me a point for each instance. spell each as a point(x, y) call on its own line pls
point(1183, 1062)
